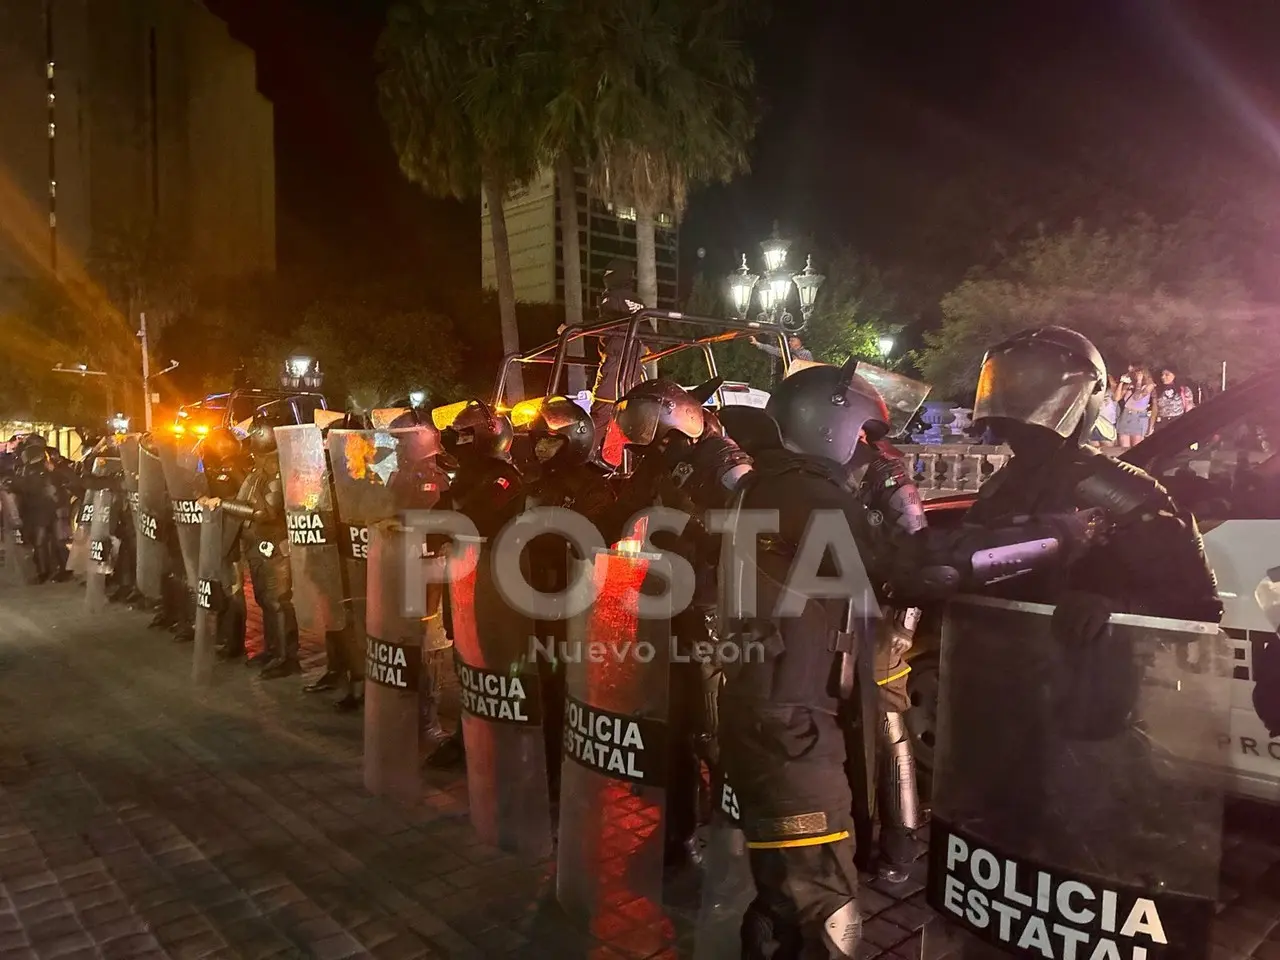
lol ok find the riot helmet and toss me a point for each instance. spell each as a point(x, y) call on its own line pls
point(1052, 377)
point(558, 429)
point(654, 411)
point(479, 428)
point(751, 428)
point(220, 445)
point(712, 427)
point(262, 437)
point(32, 454)
point(822, 411)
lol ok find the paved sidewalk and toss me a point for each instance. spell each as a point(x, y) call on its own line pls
point(143, 817)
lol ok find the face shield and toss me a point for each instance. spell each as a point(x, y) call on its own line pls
point(902, 395)
point(638, 419)
point(1036, 384)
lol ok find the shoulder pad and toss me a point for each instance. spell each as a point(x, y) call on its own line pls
point(1120, 488)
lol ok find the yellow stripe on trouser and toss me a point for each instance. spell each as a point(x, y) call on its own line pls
point(805, 842)
point(897, 676)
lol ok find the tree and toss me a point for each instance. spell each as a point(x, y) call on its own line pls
point(45, 325)
point(1143, 293)
point(655, 98)
point(854, 309)
point(374, 350)
point(458, 102)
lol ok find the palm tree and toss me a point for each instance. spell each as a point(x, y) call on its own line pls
point(652, 97)
point(455, 99)
point(672, 107)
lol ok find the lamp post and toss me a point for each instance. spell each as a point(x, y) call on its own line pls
point(300, 372)
point(886, 346)
point(773, 288)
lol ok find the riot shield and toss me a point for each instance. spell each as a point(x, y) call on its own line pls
point(378, 474)
point(727, 886)
point(313, 546)
point(17, 566)
point(129, 464)
point(502, 712)
point(78, 555)
point(214, 586)
point(393, 666)
point(1077, 803)
point(149, 520)
point(613, 777)
point(102, 549)
point(185, 480)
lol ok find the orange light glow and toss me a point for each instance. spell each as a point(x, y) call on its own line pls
point(201, 430)
point(444, 416)
point(525, 412)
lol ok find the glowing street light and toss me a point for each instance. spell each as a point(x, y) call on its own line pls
point(886, 346)
point(417, 398)
point(742, 284)
point(773, 289)
point(301, 371)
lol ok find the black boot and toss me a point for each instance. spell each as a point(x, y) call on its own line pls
point(326, 681)
point(449, 755)
point(282, 667)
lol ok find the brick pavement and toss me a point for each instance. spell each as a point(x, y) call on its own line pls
point(142, 817)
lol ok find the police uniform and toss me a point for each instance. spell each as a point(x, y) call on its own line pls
point(264, 541)
point(225, 466)
point(487, 489)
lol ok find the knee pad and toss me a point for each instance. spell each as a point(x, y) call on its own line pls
point(842, 931)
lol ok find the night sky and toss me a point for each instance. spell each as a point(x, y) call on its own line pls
point(915, 130)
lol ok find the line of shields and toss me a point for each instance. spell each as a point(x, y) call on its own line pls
point(1077, 802)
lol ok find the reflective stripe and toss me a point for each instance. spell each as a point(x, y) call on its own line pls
point(806, 842)
point(897, 676)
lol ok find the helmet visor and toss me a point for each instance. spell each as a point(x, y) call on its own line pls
point(902, 395)
point(638, 419)
point(1034, 385)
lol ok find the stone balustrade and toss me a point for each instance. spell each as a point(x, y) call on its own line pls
point(944, 469)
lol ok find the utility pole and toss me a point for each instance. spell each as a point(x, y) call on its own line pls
point(146, 370)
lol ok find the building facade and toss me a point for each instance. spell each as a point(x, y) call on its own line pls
point(604, 234)
point(126, 119)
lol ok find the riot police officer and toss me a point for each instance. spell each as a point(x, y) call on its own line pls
point(782, 730)
point(559, 437)
point(37, 493)
point(226, 466)
point(485, 488)
point(894, 507)
point(1040, 392)
point(264, 541)
point(684, 462)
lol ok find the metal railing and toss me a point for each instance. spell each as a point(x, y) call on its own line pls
point(556, 352)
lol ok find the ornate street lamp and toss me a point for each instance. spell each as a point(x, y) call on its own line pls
point(301, 371)
point(774, 289)
point(742, 284)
